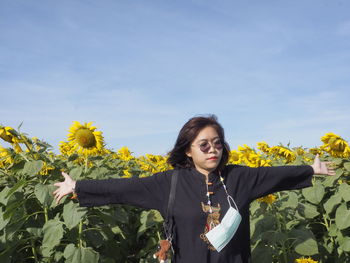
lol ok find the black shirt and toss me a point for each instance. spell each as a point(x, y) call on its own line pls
point(243, 183)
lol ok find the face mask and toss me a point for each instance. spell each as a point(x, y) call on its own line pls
point(220, 235)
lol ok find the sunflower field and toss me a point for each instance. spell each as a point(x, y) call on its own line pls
point(303, 226)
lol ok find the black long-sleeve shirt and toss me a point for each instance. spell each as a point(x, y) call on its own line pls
point(243, 183)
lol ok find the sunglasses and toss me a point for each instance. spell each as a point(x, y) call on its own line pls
point(205, 146)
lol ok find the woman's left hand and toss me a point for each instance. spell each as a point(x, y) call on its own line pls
point(322, 167)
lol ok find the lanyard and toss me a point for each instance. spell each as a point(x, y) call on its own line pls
point(228, 198)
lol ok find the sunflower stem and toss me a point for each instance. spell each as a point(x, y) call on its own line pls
point(46, 214)
point(32, 245)
point(281, 229)
point(80, 233)
point(86, 163)
point(25, 141)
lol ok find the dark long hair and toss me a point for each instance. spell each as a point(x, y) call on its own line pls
point(177, 156)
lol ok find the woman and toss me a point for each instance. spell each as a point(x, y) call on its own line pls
point(211, 208)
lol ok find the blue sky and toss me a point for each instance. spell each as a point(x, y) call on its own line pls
point(277, 71)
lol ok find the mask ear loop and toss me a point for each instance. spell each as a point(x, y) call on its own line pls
point(228, 196)
point(228, 200)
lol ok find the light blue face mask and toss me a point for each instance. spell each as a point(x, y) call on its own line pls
point(221, 234)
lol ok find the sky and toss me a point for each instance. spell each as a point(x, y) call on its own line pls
point(273, 71)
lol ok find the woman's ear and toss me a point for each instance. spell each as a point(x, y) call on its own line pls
point(188, 153)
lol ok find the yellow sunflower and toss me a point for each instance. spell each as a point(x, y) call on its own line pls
point(305, 260)
point(9, 135)
point(264, 147)
point(235, 157)
point(335, 145)
point(269, 199)
point(65, 148)
point(5, 157)
point(283, 152)
point(84, 139)
point(125, 154)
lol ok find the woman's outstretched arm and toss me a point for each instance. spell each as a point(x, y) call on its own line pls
point(148, 192)
point(265, 180)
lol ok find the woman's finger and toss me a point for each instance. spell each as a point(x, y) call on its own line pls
point(65, 175)
point(59, 197)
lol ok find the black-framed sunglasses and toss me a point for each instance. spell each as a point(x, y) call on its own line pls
point(205, 145)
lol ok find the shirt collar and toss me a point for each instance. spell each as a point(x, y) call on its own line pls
point(213, 176)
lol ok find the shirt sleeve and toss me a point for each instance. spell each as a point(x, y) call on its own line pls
point(266, 180)
point(147, 192)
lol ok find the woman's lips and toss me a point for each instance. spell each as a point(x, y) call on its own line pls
point(212, 158)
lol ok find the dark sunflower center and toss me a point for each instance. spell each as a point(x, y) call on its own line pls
point(85, 138)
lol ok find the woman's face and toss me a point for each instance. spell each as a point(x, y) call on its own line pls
point(206, 150)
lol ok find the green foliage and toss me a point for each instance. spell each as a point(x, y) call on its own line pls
point(33, 228)
point(314, 221)
point(311, 222)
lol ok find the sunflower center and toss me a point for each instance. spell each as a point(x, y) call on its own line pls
point(85, 138)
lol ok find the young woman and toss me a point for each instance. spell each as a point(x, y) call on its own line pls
point(211, 207)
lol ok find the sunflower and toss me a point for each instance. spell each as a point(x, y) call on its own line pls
point(335, 145)
point(305, 260)
point(5, 157)
point(283, 152)
point(65, 148)
point(125, 154)
point(264, 147)
point(84, 139)
point(235, 157)
point(9, 135)
point(269, 199)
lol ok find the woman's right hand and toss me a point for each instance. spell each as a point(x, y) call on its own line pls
point(64, 188)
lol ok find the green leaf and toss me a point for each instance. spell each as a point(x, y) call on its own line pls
point(342, 217)
point(44, 194)
point(99, 172)
point(330, 180)
point(53, 233)
point(3, 222)
point(339, 172)
point(314, 194)
point(345, 245)
point(332, 202)
point(292, 223)
point(32, 167)
point(305, 243)
point(3, 195)
point(148, 219)
point(17, 187)
point(333, 230)
point(35, 231)
point(262, 253)
point(58, 255)
point(72, 214)
point(13, 208)
point(292, 201)
point(308, 210)
point(344, 191)
point(347, 166)
point(121, 215)
point(337, 161)
point(80, 255)
point(76, 173)
point(95, 238)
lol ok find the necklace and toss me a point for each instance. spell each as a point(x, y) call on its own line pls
point(212, 224)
